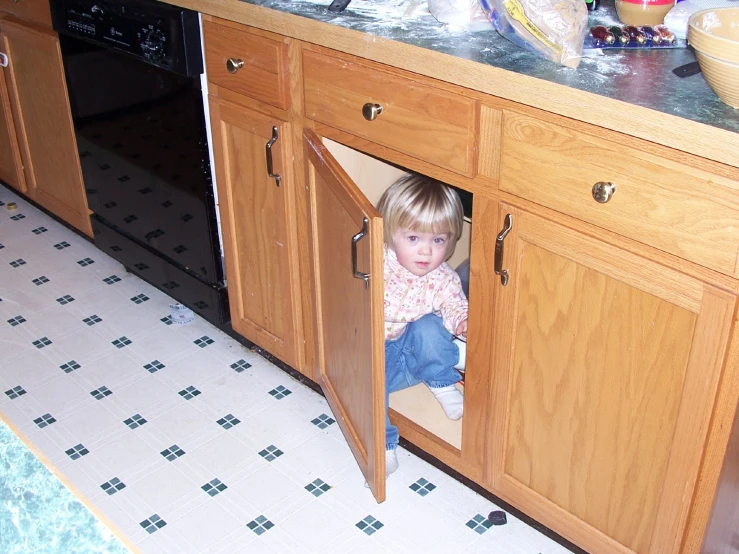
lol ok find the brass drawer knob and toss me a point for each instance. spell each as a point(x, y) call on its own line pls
point(371, 111)
point(603, 191)
point(234, 64)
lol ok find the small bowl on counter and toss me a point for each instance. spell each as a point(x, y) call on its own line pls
point(714, 34)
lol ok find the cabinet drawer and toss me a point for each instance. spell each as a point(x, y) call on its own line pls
point(250, 64)
point(417, 119)
point(680, 209)
point(31, 10)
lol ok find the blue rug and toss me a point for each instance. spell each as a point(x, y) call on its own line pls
point(40, 515)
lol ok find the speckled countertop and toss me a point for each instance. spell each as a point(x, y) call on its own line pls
point(638, 76)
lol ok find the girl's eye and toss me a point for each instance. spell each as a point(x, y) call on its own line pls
point(440, 240)
point(412, 238)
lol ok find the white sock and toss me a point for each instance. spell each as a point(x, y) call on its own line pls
point(451, 400)
point(462, 353)
point(391, 461)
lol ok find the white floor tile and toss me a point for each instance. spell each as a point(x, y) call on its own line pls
point(266, 488)
point(61, 396)
point(14, 344)
point(164, 486)
point(54, 322)
point(161, 344)
point(83, 346)
point(147, 396)
point(263, 428)
point(198, 369)
point(240, 394)
point(101, 302)
point(31, 369)
point(22, 301)
point(90, 424)
point(206, 525)
point(427, 528)
point(129, 455)
point(130, 320)
point(114, 370)
point(185, 425)
point(315, 526)
point(225, 456)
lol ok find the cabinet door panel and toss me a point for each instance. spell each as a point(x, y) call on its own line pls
point(606, 371)
point(351, 356)
point(43, 122)
point(11, 167)
point(254, 215)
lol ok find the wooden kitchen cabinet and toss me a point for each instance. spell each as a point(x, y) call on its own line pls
point(43, 122)
point(605, 373)
point(593, 375)
point(11, 166)
point(36, 11)
point(601, 379)
point(258, 232)
point(247, 79)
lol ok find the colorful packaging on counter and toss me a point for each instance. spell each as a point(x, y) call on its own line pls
point(631, 36)
point(551, 28)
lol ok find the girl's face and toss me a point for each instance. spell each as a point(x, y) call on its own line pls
point(420, 253)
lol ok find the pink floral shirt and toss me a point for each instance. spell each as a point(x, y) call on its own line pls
point(409, 297)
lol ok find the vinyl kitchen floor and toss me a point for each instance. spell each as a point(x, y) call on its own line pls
point(185, 441)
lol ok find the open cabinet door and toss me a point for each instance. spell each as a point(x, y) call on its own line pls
point(347, 245)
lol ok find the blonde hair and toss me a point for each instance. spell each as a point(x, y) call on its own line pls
point(422, 204)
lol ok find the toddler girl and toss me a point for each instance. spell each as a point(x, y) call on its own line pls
point(424, 302)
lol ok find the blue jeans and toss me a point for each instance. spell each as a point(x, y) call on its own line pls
point(425, 354)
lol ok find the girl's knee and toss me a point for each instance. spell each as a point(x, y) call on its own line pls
point(430, 325)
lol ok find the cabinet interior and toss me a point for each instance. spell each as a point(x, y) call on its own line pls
point(373, 176)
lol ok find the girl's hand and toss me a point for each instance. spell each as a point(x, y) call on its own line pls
point(462, 329)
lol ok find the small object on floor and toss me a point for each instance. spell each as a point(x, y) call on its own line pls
point(497, 517)
point(12, 206)
point(181, 315)
point(451, 400)
point(391, 461)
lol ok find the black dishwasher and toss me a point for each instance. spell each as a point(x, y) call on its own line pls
point(133, 74)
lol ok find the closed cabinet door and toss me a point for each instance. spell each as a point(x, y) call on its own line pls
point(43, 122)
point(251, 152)
point(11, 168)
point(346, 247)
point(605, 367)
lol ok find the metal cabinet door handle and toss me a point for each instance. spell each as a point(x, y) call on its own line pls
point(371, 111)
point(507, 224)
point(603, 191)
point(234, 64)
point(4, 60)
point(355, 239)
point(268, 153)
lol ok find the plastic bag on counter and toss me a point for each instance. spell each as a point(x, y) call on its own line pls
point(554, 29)
point(459, 13)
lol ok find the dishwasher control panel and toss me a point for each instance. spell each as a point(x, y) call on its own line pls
point(163, 35)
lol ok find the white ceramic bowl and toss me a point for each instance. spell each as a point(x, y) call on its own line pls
point(715, 32)
point(722, 76)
